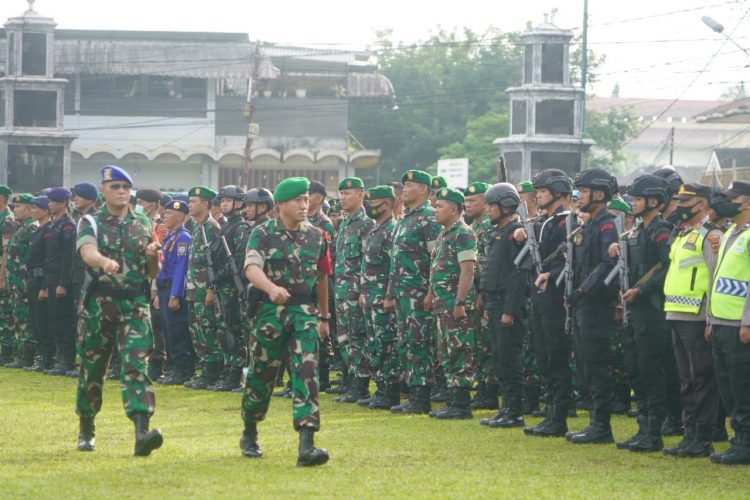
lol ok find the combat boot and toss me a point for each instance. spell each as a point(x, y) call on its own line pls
point(86, 436)
point(154, 370)
point(208, 378)
point(378, 393)
point(145, 441)
point(488, 400)
point(180, 375)
point(439, 393)
point(324, 377)
point(651, 440)
point(701, 445)
point(309, 455)
point(41, 363)
point(531, 392)
point(513, 417)
point(342, 387)
point(687, 439)
point(672, 426)
point(390, 397)
point(737, 454)
point(358, 390)
point(451, 394)
point(542, 412)
point(497, 416)
point(719, 433)
point(420, 403)
point(642, 422)
point(230, 381)
point(555, 425)
point(249, 442)
point(598, 431)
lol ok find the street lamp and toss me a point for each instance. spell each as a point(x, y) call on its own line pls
point(719, 28)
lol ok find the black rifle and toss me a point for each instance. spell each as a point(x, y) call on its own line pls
point(226, 340)
point(567, 273)
point(532, 245)
point(249, 296)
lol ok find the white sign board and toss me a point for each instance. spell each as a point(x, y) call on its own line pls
point(455, 171)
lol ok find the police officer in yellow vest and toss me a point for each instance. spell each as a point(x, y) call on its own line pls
point(729, 318)
point(692, 259)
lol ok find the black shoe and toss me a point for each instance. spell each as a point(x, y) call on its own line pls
point(439, 392)
point(357, 390)
point(642, 422)
point(737, 454)
point(146, 441)
point(508, 420)
point(497, 416)
point(686, 441)
point(249, 442)
point(209, 377)
point(650, 440)
point(459, 408)
point(672, 427)
point(390, 397)
point(86, 436)
point(379, 393)
point(419, 402)
point(621, 407)
point(701, 445)
point(555, 425)
point(230, 381)
point(41, 363)
point(179, 376)
point(487, 400)
point(594, 433)
point(309, 455)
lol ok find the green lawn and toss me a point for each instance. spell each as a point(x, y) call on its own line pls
point(373, 454)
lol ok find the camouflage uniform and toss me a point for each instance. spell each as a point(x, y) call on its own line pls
point(290, 260)
point(8, 227)
point(413, 242)
point(381, 326)
point(350, 326)
point(483, 370)
point(16, 285)
point(457, 338)
point(325, 224)
point(116, 312)
point(202, 319)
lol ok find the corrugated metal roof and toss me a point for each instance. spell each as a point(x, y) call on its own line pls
point(733, 157)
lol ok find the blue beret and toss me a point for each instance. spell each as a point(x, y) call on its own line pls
point(59, 194)
point(178, 205)
point(165, 200)
point(180, 197)
point(40, 202)
point(86, 190)
point(113, 173)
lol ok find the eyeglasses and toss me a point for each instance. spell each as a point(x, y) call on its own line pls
point(118, 186)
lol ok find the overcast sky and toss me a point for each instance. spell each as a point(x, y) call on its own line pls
point(651, 50)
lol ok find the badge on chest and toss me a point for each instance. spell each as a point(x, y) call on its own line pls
point(691, 241)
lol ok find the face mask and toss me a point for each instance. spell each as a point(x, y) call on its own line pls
point(139, 210)
point(729, 209)
point(683, 213)
point(373, 212)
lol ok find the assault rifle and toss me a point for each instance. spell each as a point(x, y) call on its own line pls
point(567, 273)
point(226, 340)
point(532, 245)
point(621, 268)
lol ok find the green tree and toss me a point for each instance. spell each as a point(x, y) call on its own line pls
point(734, 92)
point(478, 148)
point(610, 130)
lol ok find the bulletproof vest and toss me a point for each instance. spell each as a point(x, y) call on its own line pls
point(642, 251)
point(587, 254)
point(223, 269)
point(498, 259)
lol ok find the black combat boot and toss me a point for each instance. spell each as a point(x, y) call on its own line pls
point(642, 422)
point(488, 401)
point(341, 388)
point(41, 363)
point(154, 370)
point(555, 425)
point(231, 380)
point(598, 431)
point(687, 439)
point(325, 377)
point(180, 375)
point(208, 378)
point(701, 445)
point(497, 416)
point(651, 440)
point(145, 441)
point(513, 417)
point(737, 454)
point(378, 393)
point(419, 403)
point(358, 390)
point(531, 393)
point(450, 395)
point(390, 397)
point(309, 455)
point(86, 436)
point(249, 442)
point(672, 426)
point(439, 393)
point(460, 409)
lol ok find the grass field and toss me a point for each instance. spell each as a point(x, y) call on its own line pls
point(373, 454)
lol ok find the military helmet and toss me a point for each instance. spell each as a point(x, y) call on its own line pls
point(596, 178)
point(231, 191)
point(672, 178)
point(504, 194)
point(650, 186)
point(259, 196)
point(553, 179)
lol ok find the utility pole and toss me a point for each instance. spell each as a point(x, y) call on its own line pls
point(671, 147)
point(584, 63)
point(252, 128)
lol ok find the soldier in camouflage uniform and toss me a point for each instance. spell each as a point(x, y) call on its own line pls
point(8, 226)
point(258, 205)
point(436, 185)
point(16, 280)
point(200, 293)
point(452, 295)
point(117, 245)
point(351, 329)
point(287, 259)
point(374, 277)
point(413, 243)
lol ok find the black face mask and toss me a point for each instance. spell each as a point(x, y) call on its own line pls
point(684, 213)
point(374, 212)
point(726, 208)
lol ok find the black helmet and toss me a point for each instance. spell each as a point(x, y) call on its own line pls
point(502, 193)
point(259, 195)
point(596, 178)
point(672, 178)
point(231, 191)
point(553, 179)
point(650, 186)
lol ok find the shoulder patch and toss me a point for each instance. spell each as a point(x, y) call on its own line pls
point(182, 249)
point(606, 227)
point(715, 240)
point(561, 223)
point(661, 237)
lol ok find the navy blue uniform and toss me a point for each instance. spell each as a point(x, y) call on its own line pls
point(59, 264)
point(38, 311)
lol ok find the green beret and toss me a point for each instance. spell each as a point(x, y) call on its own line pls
point(417, 176)
point(439, 182)
point(451, 194)
point(23, 198)
point(202, 192)
point(525, 187)
point(351, 183)
point(476, 188)
point(618, 203)
point(6, 191)
point(290, 188)
point(379, 192)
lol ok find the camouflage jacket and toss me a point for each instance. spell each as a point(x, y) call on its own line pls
point(8, 226)
point(413, 241)
point(349, 250)
point(123, 240)
point(485, 232)
point(324, 223)
point(376, 261)
point(18, 249)
point(454, 245)
point(197, 277)
point(288, 258)
point(236, 231)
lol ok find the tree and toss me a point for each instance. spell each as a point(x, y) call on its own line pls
point(610, 130)
point(478, 148)
point(734, 92)
point(616, 90)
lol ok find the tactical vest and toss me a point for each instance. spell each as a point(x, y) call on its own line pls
point(687, 279)
point(729, 288)
point(642, 251)
point(497, 259)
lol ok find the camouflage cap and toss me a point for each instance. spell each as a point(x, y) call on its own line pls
point(380, 192)
point(351, 183)
point(417, 176)
point(24, 198)
point(618, 203)
point(525, 187)
point(451, 194)
point(476, 188)
point(202, 192)
point(439, 182)
point(5, 190)
point(290, 188)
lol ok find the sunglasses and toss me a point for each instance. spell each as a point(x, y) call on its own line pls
point(116, 186)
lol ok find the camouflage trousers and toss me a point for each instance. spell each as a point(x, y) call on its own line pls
point(202, 327)
point(277, 329)
point(381, 343)
point(235, 323)
point(24, 339)
point(456, 345)
point(7, 335)
point(483, 371)
point(102, 323)
point(415, 344)
point(352, 335)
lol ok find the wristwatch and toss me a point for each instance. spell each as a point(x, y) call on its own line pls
point(172, 297)
point(327, 317)
point(460, 303)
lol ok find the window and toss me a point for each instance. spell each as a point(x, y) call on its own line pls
point(514, 165)
point(35, 108)
point(555, 117)
point(552, 63)
point(34, 57)
point(11, 53)
point(32, 168)
point(518, 126)
point(568, 162)
point(528, 63)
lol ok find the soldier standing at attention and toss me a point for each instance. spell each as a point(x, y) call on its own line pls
point(453, 297)
point(287, 259)
point(8, 226)
point(436, 185)
point(413, 243)
point(38, 312)
point(352, 335)
point(117, 244)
